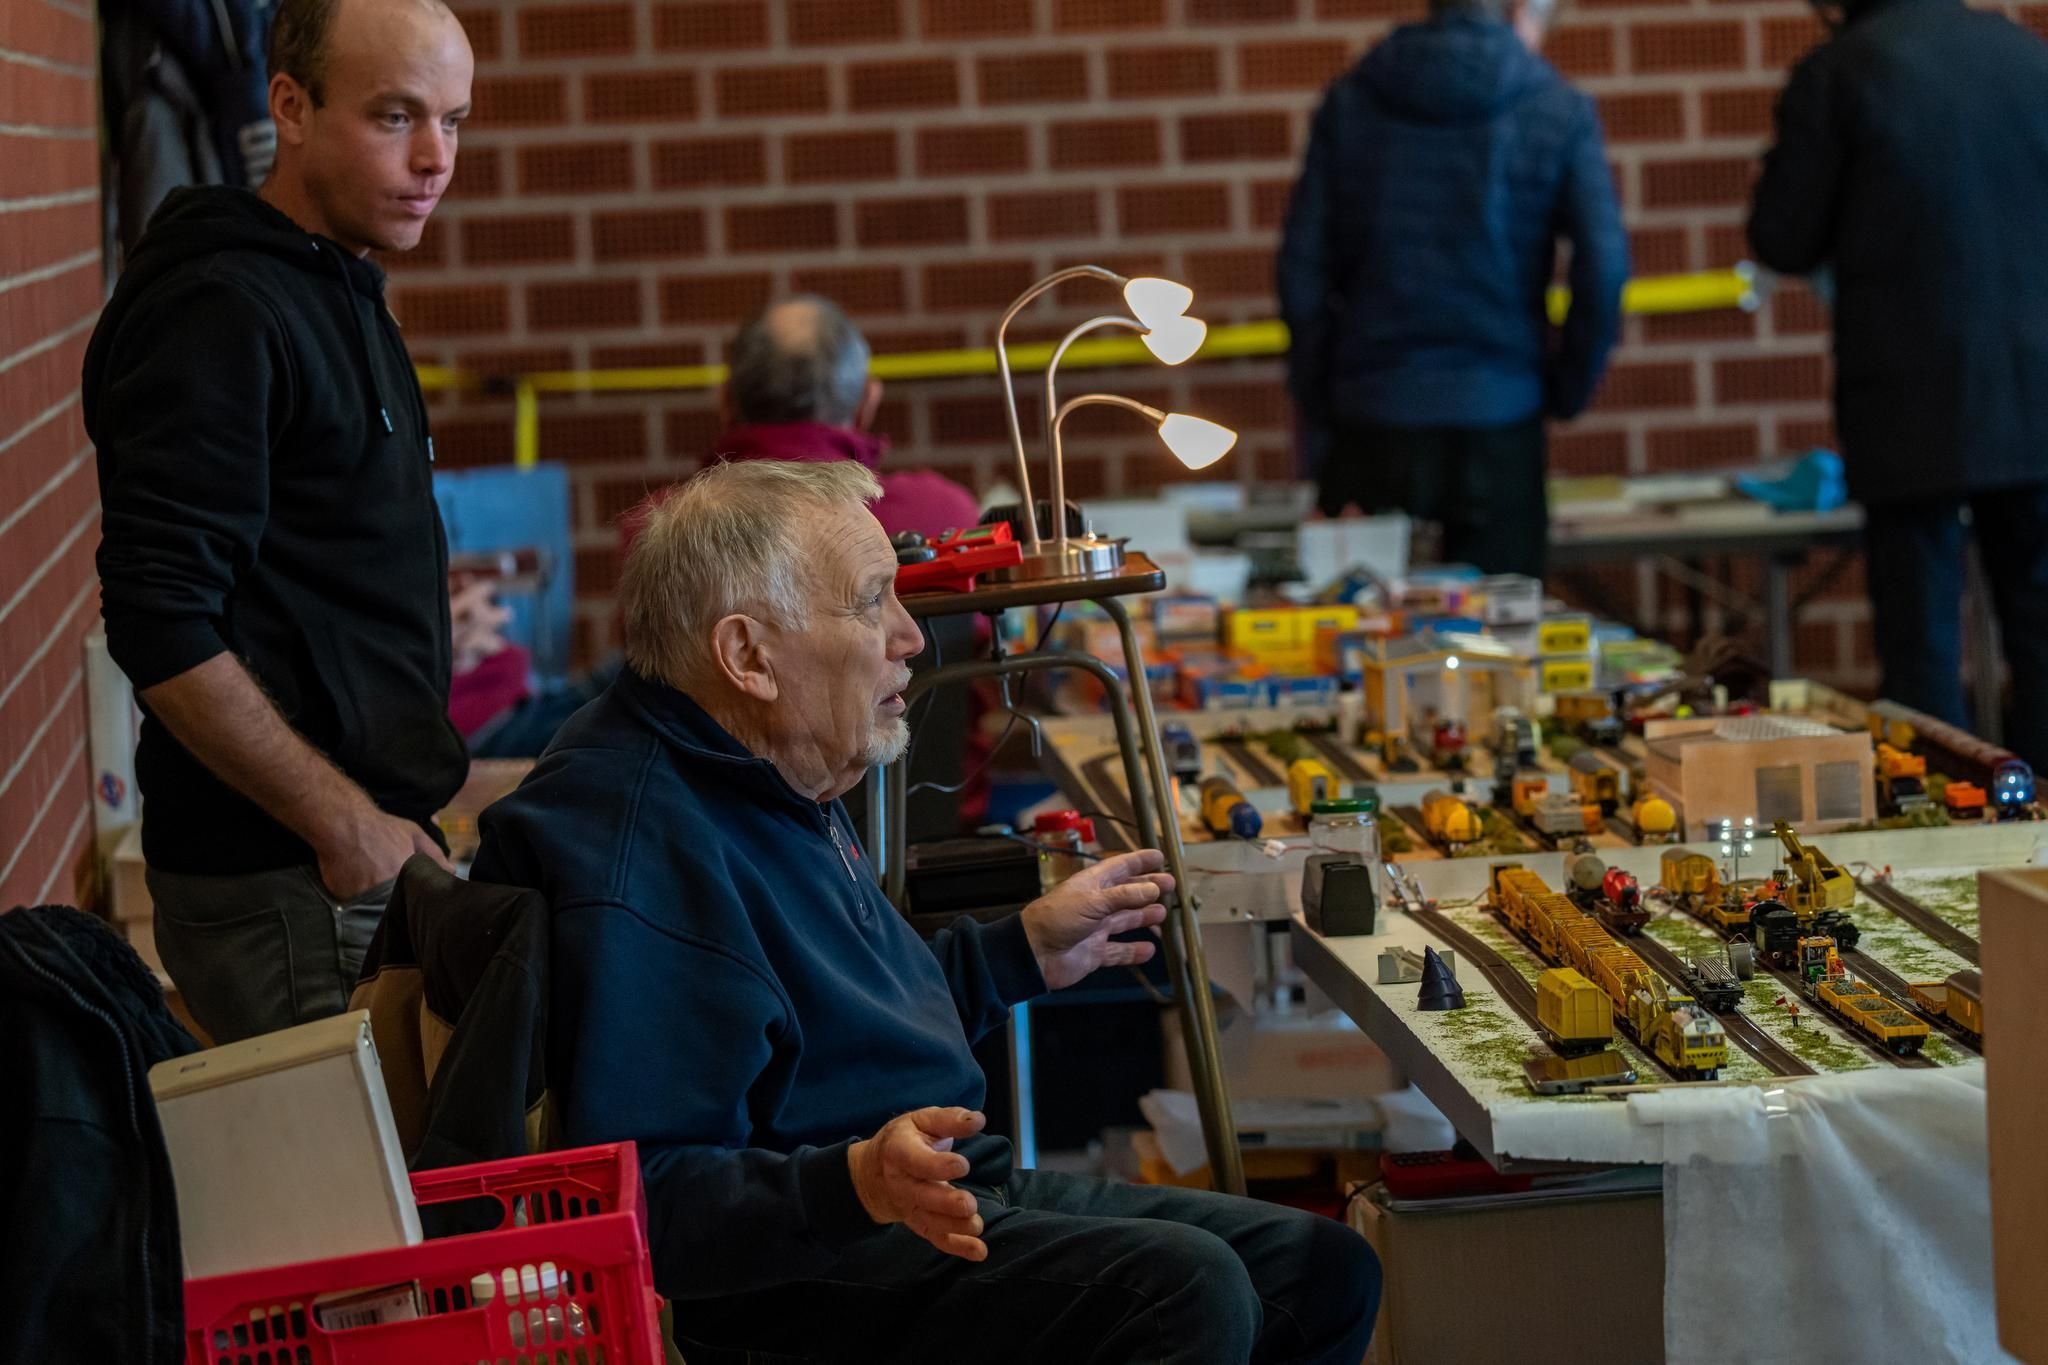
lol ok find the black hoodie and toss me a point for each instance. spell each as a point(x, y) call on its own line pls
point(266, 487)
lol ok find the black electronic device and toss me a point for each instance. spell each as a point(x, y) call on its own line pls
point(984, 877)
point(1337, 895)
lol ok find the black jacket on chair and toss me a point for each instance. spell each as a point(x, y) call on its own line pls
point(456, 982)
point(90, 1263)
point(1912, 159)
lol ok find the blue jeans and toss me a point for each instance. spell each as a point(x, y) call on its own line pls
point(1914, 563)
point(1078, 1270)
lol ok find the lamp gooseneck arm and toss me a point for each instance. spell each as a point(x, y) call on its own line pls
point(1009, 391)
point(1114, 400)
point(1052, 408)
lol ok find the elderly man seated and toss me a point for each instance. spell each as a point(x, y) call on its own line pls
point(732, 991)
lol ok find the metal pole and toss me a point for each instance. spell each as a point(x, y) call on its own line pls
point(897, 776)
point(1186, 962)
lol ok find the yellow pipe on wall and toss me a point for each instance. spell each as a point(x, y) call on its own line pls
point(1702, 292)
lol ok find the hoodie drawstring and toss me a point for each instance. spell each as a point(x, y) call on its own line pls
point(377, 398)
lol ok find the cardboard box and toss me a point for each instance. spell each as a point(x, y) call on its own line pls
point(128, 889)
point(284, 1150)
point(1535, 1279)
point(1287, 1057)
point(2013, 908)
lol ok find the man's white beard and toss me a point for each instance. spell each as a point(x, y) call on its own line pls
point(886, 742)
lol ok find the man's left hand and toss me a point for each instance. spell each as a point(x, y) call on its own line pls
point(1069, 927)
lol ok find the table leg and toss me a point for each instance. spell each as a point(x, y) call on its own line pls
point(1187, 966)
point(1778, 614)
point(1987, 693)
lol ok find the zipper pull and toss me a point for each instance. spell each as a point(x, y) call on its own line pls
point(833, 829)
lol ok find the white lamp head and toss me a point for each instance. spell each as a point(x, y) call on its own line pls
point(1156, 302)
point(1176, 340)
point(1195, 441)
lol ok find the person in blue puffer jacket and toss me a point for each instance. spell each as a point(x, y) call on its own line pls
point(1442, 171)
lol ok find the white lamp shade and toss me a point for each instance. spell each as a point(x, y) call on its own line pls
point(1195, 441)
point(1156, 302)
point(1177, 340)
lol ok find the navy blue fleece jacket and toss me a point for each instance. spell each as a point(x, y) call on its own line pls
point(731, 989)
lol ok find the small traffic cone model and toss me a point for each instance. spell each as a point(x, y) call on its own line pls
point(1440, 990)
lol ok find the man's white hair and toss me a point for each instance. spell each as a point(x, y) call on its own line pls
point(728, 542)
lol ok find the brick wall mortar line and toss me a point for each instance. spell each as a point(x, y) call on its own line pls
point(56, 557)
point(56, 788)
point(50, 272)
point(50, 485)
point(28, 748)
point(17, 57)
point(48, 343)
point(71, 840)
point(28, 665)
point(35, 423)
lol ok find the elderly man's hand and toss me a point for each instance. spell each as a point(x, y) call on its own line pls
point(1070, 926)
point(901, 1175)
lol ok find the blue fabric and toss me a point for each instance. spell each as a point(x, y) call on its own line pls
point(1814, 483)
point(1441, 172)
point(732, 991)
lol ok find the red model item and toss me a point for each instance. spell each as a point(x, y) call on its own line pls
point(1444, 1175)
point(958, 557)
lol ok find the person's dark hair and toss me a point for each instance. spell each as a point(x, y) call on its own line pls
point(298, 42)
point(801, 360)
point(1499, 10)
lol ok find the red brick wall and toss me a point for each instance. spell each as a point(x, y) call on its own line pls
point(643, 173)
point(50, 278)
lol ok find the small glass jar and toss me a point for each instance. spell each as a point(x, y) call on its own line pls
point(1065, 838)
point(1348, 826)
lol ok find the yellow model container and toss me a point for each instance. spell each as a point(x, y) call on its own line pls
point(1573, 1013)
point(1958, 1000)
point(1315, 620)
point(1565, 674)
point(1309, 781)
point(1595, 781)
point(1688, 874)
point(1562, 635)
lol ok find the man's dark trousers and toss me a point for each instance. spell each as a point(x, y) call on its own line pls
point(1079, 1270)
point(1483, 485)
point(1913, 554)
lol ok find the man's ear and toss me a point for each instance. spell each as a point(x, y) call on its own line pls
point(870, 406)
point(739, 651)
point(290, 104)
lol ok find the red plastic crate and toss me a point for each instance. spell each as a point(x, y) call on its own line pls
point(582, 1210)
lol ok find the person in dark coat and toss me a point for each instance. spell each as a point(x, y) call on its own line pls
point(1422, 238)
point(1911, 164)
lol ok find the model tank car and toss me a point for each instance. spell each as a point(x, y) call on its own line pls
point(1450, 820)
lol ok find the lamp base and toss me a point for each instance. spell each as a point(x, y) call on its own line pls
point(1081, 557)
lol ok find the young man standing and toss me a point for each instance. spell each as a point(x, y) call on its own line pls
point(273, 569)
point(1441, 173)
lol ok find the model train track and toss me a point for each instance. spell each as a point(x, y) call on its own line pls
point(1921, 918)
point(1885, 979)
point(1262, 773)
point(1340, 761)
point(1795, 990)
point(1508, 983)
point(1742, 1030)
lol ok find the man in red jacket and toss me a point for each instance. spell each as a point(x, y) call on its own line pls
point(800, 390)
